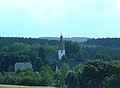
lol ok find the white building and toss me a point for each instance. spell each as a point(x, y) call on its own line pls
point(20, 66)
point(61, 51)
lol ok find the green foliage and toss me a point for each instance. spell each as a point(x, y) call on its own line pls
point(71, 47)
point(64, 59)
point(79, 68)
point(38, 63)
point(19, 52)
point(27, 77)
point(14, 50)
point(42, 53)
point(11, 78)
point(73, 79)
point(111, 82)
point(104, 55)
point(76, 52)
point(60, 75)
point(47, 75)
point(95, 74)
point(1, 78)
point(64, 69)
point(51, 49)
point(82, 56)
point(105, 42)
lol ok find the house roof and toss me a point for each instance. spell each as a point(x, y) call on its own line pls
point(22, 65)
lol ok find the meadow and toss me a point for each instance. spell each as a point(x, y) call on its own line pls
point(14, 86)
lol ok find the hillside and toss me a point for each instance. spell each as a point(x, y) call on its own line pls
point(105, 42)
point(43, 55)
point(5, 41)
point(74, 39)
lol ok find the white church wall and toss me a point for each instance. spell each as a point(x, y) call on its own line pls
point(61, 53)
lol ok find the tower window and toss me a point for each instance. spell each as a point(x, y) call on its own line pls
point(61, 51)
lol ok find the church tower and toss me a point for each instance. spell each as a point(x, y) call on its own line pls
point(61, 51)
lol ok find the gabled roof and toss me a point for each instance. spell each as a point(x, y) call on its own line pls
point(22, 65)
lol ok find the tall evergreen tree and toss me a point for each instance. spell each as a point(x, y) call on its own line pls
point(42, 53)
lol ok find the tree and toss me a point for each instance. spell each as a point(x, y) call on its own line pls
point(72, 56)
point(47, 75)
point(11, 78)
point(71, 47)
point(82, 56)
point(73, 79)
point(38, 63)
point(94, 74)
point(64, 59)
point(42, 53)
point(64, 69)
point(61, 74)
point(1, 78)
point(111, 82)
point(104, 55)
point(30, 78)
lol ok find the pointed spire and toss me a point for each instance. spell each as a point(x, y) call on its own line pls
point(61, 44)
point(61, 38)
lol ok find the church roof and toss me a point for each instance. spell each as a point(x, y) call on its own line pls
point(61, 44)
point(61, 38)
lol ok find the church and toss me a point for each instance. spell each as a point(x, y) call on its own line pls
point(61, 51)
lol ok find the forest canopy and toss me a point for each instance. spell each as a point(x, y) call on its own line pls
point(87, 65)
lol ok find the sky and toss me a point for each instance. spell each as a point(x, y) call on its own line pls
point(50, 18)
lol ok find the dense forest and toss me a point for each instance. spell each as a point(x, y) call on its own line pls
point(91, 64)
point(111, 42)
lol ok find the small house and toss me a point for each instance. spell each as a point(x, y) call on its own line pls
point(20, 66)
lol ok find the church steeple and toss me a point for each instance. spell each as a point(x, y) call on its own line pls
point(61, 38)
point(61, 44)
point(61, 51)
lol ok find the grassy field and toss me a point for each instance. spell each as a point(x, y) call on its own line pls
point(13, 86)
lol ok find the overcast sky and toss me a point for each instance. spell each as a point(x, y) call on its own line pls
point(74, 18)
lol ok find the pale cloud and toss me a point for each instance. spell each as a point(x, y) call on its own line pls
point(42, 9)
point(117, 5)
point(115, 8)
point(48, 10)
point(36, 14)
point(90, 1)
point(12, 4)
